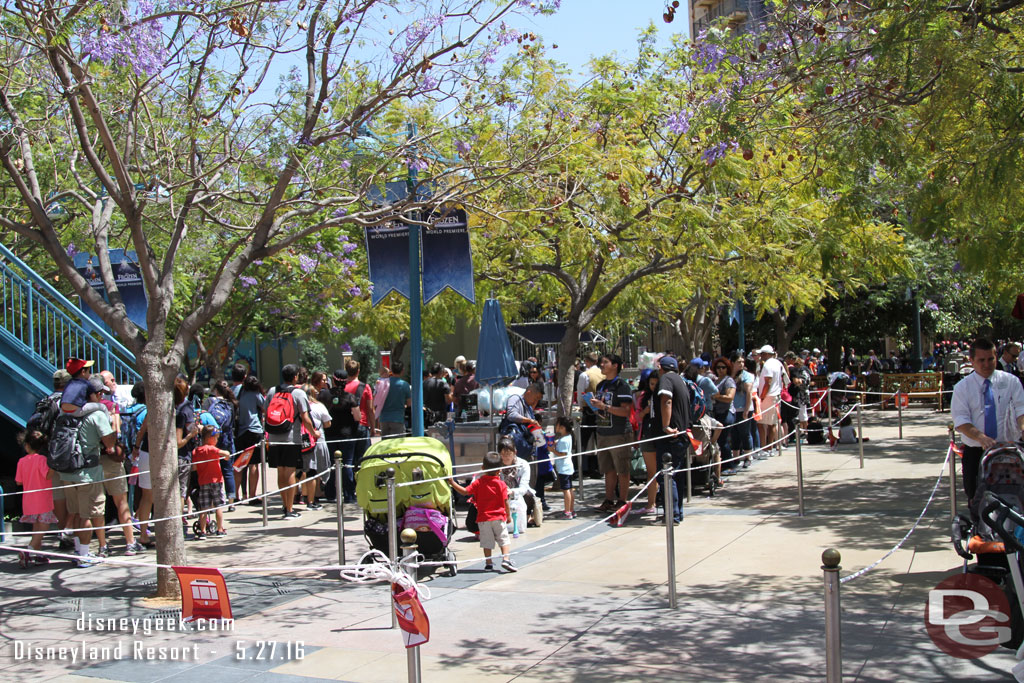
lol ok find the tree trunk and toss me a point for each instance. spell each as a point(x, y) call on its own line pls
point(785, 330)
point(158, 379)
point(567, 368)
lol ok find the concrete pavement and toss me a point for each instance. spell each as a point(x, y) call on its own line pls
point(590, 607)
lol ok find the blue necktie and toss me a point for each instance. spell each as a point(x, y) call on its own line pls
point(990, 410)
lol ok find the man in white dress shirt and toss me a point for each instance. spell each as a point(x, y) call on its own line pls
point(987, 408)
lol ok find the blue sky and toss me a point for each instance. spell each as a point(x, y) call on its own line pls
point(585, 28)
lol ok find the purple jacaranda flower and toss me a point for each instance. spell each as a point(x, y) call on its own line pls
point(354, 290)
point(307, 264)
point(678, 123)
point(71, 250)
point(348, 249)
point(346, 348)
point(462, 147)
point(258, 262)
point(344, 165)
point(931, 305)
point(247, 281)
point(316, 325)
point(335, 329)
point(957, 267)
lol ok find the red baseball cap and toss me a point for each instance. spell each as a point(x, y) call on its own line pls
point(75, 365)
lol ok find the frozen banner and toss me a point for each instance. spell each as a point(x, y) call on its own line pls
point(128, 279)
point(387, 252)
point(447, 261)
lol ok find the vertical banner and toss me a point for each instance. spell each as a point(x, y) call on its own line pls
point(387, 254)
point(128, 279)
point(447, 260)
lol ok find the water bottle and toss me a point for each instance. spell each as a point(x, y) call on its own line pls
point(451, 413)
point(515, 524)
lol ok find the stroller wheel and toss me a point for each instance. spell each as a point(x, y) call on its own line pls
point(453, 567)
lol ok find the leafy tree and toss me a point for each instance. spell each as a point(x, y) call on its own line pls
point(158, 127)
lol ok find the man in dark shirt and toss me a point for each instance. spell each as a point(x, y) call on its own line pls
point(436, 395)
point(671, 418)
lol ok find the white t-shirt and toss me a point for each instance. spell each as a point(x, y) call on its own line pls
point(771, 372)
point(319, 414)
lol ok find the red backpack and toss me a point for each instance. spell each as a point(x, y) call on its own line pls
point(281, 411)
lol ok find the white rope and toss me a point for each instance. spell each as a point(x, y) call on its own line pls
point(865, 570)
point(181, 516)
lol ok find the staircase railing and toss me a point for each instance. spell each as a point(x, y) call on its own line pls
point(52, 327)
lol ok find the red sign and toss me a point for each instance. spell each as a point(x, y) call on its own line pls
point(412, 618)
point(204, 594)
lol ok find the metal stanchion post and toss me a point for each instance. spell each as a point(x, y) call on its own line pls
point(412, 654)
point(670, 527)
point(392, 529)
point(263, 480)
point(689, 473)
point(899, 409)
point(860, 434)
point(952, 473)
point(833, 640)
point(799, 473)
point(338, 465)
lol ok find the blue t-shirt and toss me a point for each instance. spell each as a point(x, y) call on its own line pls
point(708, 386)
point(564, 446)
point(393, 409)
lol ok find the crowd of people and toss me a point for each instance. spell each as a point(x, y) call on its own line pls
point(736, 408)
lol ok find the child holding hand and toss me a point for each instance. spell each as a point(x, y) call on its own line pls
point(492, 510)
point(206, 464)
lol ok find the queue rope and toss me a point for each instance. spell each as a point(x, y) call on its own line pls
point(865, 570)
point(181, 516)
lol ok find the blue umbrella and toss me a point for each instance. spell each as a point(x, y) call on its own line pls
point(494, 361)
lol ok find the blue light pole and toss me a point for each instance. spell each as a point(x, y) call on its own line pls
point(415, 307)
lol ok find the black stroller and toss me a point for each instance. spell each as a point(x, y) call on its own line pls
point(994, 532)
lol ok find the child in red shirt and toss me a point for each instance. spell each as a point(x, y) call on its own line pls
point(206, 464)
point(490, 494)
point(37, 501)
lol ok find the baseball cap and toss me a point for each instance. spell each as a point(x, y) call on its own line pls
point(96, 386)
point(767, 348)
point(668, 363)
point(340, 374)
point(816, 350)
point(76, 365)
point(62, 376)
point(699, 362)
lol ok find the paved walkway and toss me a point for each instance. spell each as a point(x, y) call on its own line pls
point(592, 607)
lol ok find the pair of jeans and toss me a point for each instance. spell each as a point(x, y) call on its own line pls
point(725, 438)
point(741, 440)
point(227, 470)
point(675, 450)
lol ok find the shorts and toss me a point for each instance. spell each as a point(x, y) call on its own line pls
point(616, 460)
point(246, 439)
point(284, 455)
point(769, 411)
point(211, 495)
point(86, 501)
point(111, 469)
point(41, 518)
point(392, 428)
point(145, 479)
point(184, 472)
point(565, 482)
point(58, 493)
point(493, 531)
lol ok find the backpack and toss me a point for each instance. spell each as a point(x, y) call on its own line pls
point(45, 415)
point(698, 402)
point(65, 451)
point(281, 411)
point(131, 423)
point(341, 408)
point(223, 412)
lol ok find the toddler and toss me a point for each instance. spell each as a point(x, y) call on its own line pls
point(206, 464)
point(562, 451)
point(37, 502)
point(492, 510)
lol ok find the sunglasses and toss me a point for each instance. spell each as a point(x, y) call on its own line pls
point(720, 367)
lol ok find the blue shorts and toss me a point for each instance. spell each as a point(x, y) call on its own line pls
point(564, 482)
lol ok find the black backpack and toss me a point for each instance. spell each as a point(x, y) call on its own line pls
point(340, 408)
point(45, 415)
point(65, 451)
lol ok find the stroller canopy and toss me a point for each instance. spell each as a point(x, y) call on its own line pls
point(414, 458)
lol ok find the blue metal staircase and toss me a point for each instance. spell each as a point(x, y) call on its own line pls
point(39, 330)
